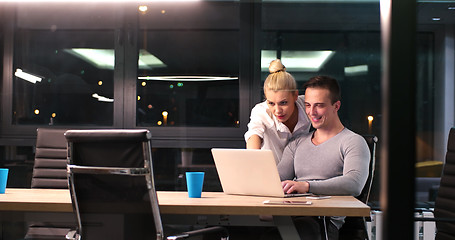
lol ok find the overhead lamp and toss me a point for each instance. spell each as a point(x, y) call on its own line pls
point(187, 78)
point(101, 98)
point(148, 60)
point(297, 61)
point(143, 8)
point(356, 70)
point(105, 58)
point(100, 58)
point(27, 76)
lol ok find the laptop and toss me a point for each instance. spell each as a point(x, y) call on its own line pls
point(249, 172)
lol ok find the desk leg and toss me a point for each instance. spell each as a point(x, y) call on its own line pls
point(286, 227)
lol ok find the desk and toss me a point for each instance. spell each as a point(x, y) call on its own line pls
point(219, 203)
point(36, 200)
point(217, 207)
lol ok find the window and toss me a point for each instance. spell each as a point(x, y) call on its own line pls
point(63, 65)
point(60, 77)
point(192, 75)
point(342, 44)
point(191, 71)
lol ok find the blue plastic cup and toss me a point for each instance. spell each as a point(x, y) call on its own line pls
point(3, 179)
point(194, 183)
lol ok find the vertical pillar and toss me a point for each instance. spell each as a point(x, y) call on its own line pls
point(398, 33)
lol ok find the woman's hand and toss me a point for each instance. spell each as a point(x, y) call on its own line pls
point(295, 187)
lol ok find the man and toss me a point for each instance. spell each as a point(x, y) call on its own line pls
point(332, 160)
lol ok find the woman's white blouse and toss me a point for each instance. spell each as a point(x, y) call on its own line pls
point(275, 135)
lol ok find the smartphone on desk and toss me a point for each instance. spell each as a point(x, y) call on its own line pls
point(287, 202)
point(317, 197)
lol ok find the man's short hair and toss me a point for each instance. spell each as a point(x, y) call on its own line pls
point(325, 82)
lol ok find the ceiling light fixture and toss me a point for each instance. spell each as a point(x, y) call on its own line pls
point(187, 78)
point(356, 70)
point(105, 58)
point(297, 61)
point(101, 98)
point(27, 76)
point(143, 8)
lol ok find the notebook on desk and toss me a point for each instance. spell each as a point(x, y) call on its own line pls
point(249, 172)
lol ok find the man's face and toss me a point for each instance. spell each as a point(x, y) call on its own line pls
point(319, 108)
point(281, 103)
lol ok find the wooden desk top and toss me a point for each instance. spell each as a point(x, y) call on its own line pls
point(36, 200)
point(217, 203)
point(223, 204)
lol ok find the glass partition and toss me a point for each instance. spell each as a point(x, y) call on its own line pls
point(59, 80)
point(63, 68)
point(170, 174)
point(190, 71)
point(201, 65)
point(199, 71)
point(323, 40)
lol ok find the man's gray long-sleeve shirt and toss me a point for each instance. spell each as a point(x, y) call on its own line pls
point(338, 166)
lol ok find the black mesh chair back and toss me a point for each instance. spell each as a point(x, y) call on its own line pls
point(49, 170)
point(355, 227)
point(445, 199)
point(110, 171)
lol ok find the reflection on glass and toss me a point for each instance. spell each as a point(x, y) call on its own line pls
point(297, 61)
point(351, 30)
point(105, 58)
point(193, 51)
point(169, 174)
point(27, 76)
point(63, 77)
point(192, 103)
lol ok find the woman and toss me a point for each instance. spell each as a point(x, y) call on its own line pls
point(281, 116)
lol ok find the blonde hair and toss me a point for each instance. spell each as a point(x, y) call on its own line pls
point(279, 79)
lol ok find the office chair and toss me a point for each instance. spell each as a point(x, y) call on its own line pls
point(355, 227)
point(110, 174)
point(49, 171)
point(444, 208)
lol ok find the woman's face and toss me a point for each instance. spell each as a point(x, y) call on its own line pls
point(281, 103)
